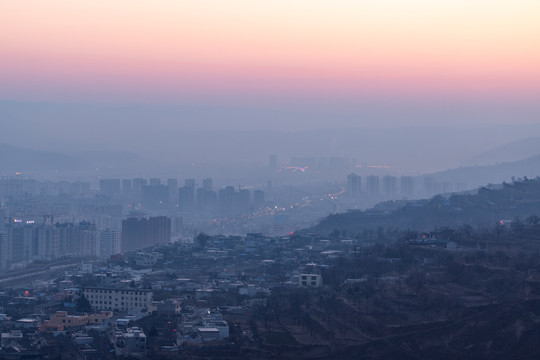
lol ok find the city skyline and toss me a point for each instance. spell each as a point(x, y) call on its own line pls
point(269, 179)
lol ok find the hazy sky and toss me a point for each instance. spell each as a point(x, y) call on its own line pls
point(289, 53)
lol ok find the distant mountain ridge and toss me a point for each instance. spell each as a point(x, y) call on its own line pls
point(475, 176)
point(513, 151)
point(18, 159)
point(216, 135)
point(13, 158)
point(489, 205)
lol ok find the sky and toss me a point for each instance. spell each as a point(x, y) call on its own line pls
point(290, 54)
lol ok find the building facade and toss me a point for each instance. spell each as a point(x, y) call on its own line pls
point(118, 299)
point(138, 233)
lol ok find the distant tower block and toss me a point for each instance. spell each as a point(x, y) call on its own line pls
point(389, 185)
point(372, 185)
point(207, 184)
point(258, 199)
point(354, 185)
point(126, 187)
point(407, 187)
point(140, 233)
point(172, 187)
point(109, 187)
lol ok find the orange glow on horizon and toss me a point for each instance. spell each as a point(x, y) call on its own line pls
point(142, 50)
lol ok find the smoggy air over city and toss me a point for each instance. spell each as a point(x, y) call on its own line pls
point(269, 179)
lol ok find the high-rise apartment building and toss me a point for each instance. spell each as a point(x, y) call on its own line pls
point(109, 187)
point(207, 184)
point(138, 233)
point(389, 186)
point(172, 187)
point(354, 185)
point(3, 250)
point(126, 187)
point(138, 184)
point(109, 240)
point(87, 240)
point(186, 195)
point(258, 199)
point(243, 201)
point(226, 200)
point(407, 187)
point(155, 196)
point(372, 185)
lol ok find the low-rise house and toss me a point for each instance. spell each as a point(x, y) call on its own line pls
point(221, 325)
point(100, 318)
point(27, 323)
point(203, 293)
point(131, 342)
point(14, 336)
point(169, 307)
point(147, 259)
point(47, 327)
point(310, 280)
point(67, 321)
point(208, 334)
point(251, 290)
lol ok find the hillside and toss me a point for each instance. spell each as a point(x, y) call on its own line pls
point(513, 151)
point(486, 207)
point(171, 133)
point(19, 159)
point(13, 158)
point(476, 176)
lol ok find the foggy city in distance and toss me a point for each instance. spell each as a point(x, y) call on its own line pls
point(269, 179)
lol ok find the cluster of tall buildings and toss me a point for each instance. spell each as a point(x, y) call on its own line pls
point(226, 201)
point(48, 220)
point(23, 241)
point(388, 187)
point(155, 195)
point(391, 187)
point(152, 193)
point(19, 188)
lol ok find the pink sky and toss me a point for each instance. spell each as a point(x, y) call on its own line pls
point(169, 50)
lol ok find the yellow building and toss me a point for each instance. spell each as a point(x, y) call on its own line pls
point(62, 318)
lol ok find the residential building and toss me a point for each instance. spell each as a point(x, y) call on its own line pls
point(67, 321)
point(129, 342)
point(118, 299)
point(138, 233)
point(310, 280)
